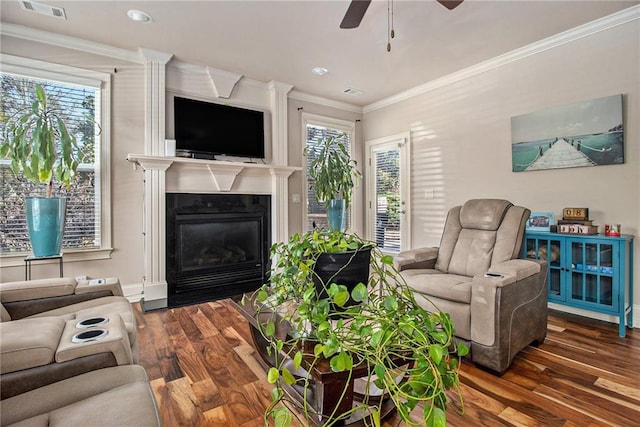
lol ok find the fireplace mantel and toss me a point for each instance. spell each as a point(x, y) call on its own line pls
point(223, 173)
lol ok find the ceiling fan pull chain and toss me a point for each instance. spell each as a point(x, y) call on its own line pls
point(389, 26)
point(393, 32)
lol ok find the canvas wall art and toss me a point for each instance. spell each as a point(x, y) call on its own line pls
point(588, 133)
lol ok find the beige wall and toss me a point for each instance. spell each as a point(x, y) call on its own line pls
point(461, 135)
point(127, 136)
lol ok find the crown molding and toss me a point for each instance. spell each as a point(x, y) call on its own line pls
point(602, 24)
point(305, 97)
point(55, 39)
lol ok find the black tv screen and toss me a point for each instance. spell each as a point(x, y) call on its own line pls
point(215, 129)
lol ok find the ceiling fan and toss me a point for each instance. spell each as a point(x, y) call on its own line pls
point(357, 9)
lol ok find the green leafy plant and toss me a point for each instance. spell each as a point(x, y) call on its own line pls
point(39, 144)
point(332, 171)
point(387, 332)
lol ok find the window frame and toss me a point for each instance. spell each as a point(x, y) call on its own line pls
point(355, 208)
point(32, 68)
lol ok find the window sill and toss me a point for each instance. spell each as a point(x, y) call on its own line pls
point(16, 259)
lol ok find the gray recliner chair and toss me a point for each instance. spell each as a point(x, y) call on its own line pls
point(498, 302)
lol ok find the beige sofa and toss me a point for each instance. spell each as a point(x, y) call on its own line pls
point(68, 299)
point(118, 396)
point(39, 321)
point(498, 302)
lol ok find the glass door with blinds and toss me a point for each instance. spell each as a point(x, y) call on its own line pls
point(316, 130)
point(387, 193)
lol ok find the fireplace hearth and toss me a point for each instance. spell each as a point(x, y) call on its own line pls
point(217, 245)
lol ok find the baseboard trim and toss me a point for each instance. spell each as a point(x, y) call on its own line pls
point(597, 316)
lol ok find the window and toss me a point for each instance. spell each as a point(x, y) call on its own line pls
point(316, 130)
point(87, 223)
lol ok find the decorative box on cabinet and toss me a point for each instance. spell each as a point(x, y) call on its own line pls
point(590, 272)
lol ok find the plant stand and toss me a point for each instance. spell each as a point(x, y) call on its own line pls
point(327, 386)
point(32, 258)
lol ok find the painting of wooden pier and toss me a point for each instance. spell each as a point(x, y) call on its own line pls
point(589, 133)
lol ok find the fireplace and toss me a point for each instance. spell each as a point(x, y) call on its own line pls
point(217, 245)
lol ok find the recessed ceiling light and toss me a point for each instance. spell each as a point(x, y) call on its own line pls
point(138, 16)
point(320, 71)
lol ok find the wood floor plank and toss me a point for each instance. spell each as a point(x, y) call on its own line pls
point(204, 371)
point(188, 412)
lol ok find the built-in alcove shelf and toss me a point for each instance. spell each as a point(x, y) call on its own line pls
point(223, 173)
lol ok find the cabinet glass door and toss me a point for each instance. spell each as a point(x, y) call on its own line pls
point(549, 250)
point(592, 273)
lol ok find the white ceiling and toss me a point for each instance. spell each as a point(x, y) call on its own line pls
point(283, 40)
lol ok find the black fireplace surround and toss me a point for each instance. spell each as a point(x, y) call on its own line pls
point(217, 245)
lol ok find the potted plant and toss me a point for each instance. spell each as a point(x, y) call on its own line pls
point(41, 149)
point(333, 175)
point(407, 353)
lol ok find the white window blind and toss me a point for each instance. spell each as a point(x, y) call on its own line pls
point(316, 211)
point(80, 106)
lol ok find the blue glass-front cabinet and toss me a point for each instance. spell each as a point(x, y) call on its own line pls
point(591, 272)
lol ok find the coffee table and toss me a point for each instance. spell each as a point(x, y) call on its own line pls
point(327, 388)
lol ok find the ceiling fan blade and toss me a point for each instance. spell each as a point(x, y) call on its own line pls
point(355, 13)
point(450, 4)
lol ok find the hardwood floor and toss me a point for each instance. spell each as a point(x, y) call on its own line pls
point(204, 372)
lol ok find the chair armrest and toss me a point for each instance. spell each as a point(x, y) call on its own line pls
point(36, 289)
point(494, 299)
point(416, 258)
point(513, 270)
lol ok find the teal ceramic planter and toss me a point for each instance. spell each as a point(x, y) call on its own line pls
point(336, 215)
point(45, 223)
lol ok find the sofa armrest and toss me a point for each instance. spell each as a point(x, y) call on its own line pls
point(495, 299)
point(111, 284)
point(416, 258)
point(29, 343)
point(35, 289)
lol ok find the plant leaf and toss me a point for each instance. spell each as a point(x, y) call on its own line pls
point(282, 417)
point(270, 328)
point(288, 377)
point(341, 362)
point(273, 375)
point(436, 351)
point(360, 292)
point(297, 360)
point(463, 350)
point(341, 298)
point(437, 417)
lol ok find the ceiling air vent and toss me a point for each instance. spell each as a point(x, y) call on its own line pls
point(352, 91)
point(43, 9)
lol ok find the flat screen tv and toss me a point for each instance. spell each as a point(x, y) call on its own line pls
point(206, 129)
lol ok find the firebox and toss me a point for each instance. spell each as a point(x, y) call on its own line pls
point(217, 245)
